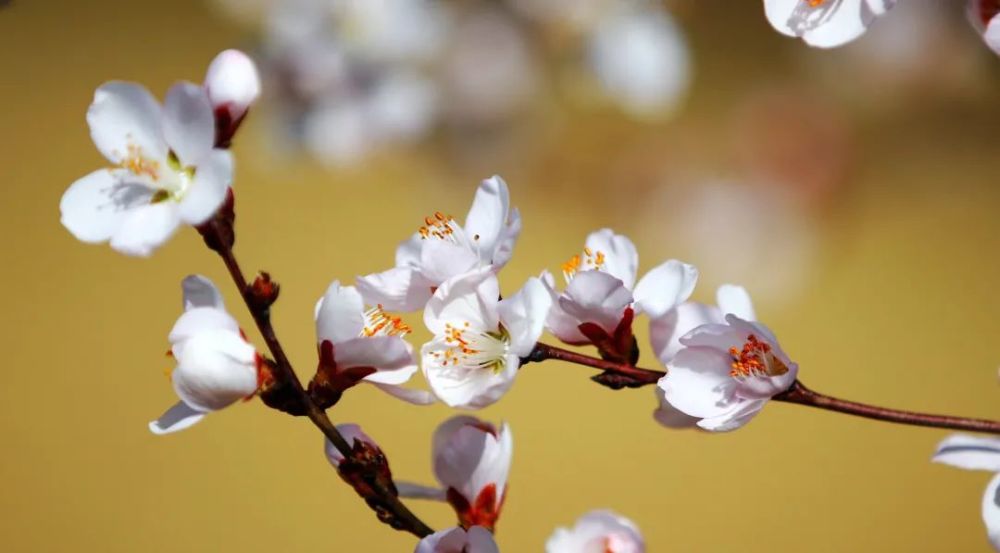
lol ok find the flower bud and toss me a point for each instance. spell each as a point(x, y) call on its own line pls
point(232, 84)
point(472, 460)
point(264, 291)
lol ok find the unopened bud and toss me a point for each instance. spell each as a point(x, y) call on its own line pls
point(264, 291)
point(277, 391)
point(233, 84)
point(366, 469)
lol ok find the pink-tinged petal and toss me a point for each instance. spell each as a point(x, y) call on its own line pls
point(621, 260)
point(232, 83)
point(597, 531)
point(401, 289)
point(215, 369)
point(469, 455)
point(461, 387)
point(665, 287)
point(146, 228)
point(735, 300)
point(188, 123)
point(669, 416)
point(379, 352)
point(596, 297)
point(197, 320)
point(440, 260)
point(487, 217)
point(351, 433)
point(720, 337)
point(340, 315)
point(457, 540)
point(524, 315)
point(125, 119)
point(565, 327)
point(736, 418)
point(665, 332)
point(96, 206)
point(408, 251)
point(481, 541)
point(199, 291)
point(508, 237)
point(409, 395)
point(969, 452)
point(991, 511)
point(207, 191)
point(992, 34)
point(698, 382)
point(468, 298)
point(177, 418)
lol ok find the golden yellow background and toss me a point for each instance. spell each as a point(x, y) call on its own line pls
point(898, 307)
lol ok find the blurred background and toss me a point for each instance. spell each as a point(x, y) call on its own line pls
point(852, 191)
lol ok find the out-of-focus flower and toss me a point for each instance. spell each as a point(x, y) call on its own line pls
point(983, 15)
point(471, 462)
point(457, 540)
point(597, 531)
point(640, 58)
point(215, 365)
point(362, 345)
point(824, 23)
point(975, 453)
point(665, 335)
point(165, 169)
point(601, 288)
point(479, 339)
point(443, 249)
point(232, 85)
point(726, 373)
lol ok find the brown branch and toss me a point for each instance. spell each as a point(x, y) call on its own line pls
point(400, 516)
point(797, 394)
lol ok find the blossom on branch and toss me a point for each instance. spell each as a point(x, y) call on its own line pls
point(479, 339)
point(824, 23)
point(165, 169)
point(362, 345)
point(233, 85)
point(471, 462)
point(598, 531)
point(975, 453)
point(601, 295)
point(457, 540)
point(726, 373)
point(215, 365)
point(443, 249)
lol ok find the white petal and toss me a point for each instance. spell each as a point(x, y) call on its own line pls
point(465, 388)
point(669, 416)
point(409, 395)
point(665, 332)
point(992, 34)
point(488, 216)
point(232, 82)
point(665, 287)
point(340, 314)
point(620, 257)
point(419, 491)
point(188, 123)
point(737, 417)
point(178, 417)
point(408, 251)
point(469, 298)
point(969, 452)
point(733, 299)
point(146, 228)
point(457, 540)
point(196, 320)
point(508, 237)
point(199, 291)
point(214, 369)
point(595, 297)
point(380, 352)
point(828, 24)
point(991, 511)
point(440, 260)
point(698, 382)
point(468, 458)
point(95, 206)
point(401, 289)
point(481, 541)
point(778, 13)
point(524, 315)
point(600, 530)
point(207, 192)
point(124, 117)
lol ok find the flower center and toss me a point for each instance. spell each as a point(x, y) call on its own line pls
point(473, 349)
point(589, 260)
point(380, 323)
point(440, 226)
point(755, 359)
point(170, 182)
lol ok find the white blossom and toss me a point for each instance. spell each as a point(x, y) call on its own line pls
point(824, 23)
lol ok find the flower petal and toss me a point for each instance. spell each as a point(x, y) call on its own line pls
point(508, 237)
point(178, 417)
point(96, 206)
point(487, 217)
point(481, 541)
point(232, 82)
point(596, 297)
point(620, 257)
point(665, 332)
point(409, 395)
point(188, 123)
point(440, 260)
point(379, 352)
point(340, 315)
point(524, 315)
point(124, 118)
point(671, 417)
point(146, 228)
point(665, 287)
point(207, 192)
point(733, 299)
point(215, 369)
point(969, 452)
point(408, 251)
point(469, 455)
point(465, 388)
point(199, 291)
point(991, 511)
point(419, 491)
point(735, 418)
point(469, 298)
point(698, 382)
point(401, 289)
point(351, 433)
point(196, 320)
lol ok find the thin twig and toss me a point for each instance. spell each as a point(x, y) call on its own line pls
point(409, 521)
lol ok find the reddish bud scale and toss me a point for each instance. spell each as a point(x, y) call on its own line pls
point(276, 391)
point(263, 291)
point(483, 512)
point(621, 347)
point(366, 469)
point(982, 11)
point(330, 381)
point(218, 231)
